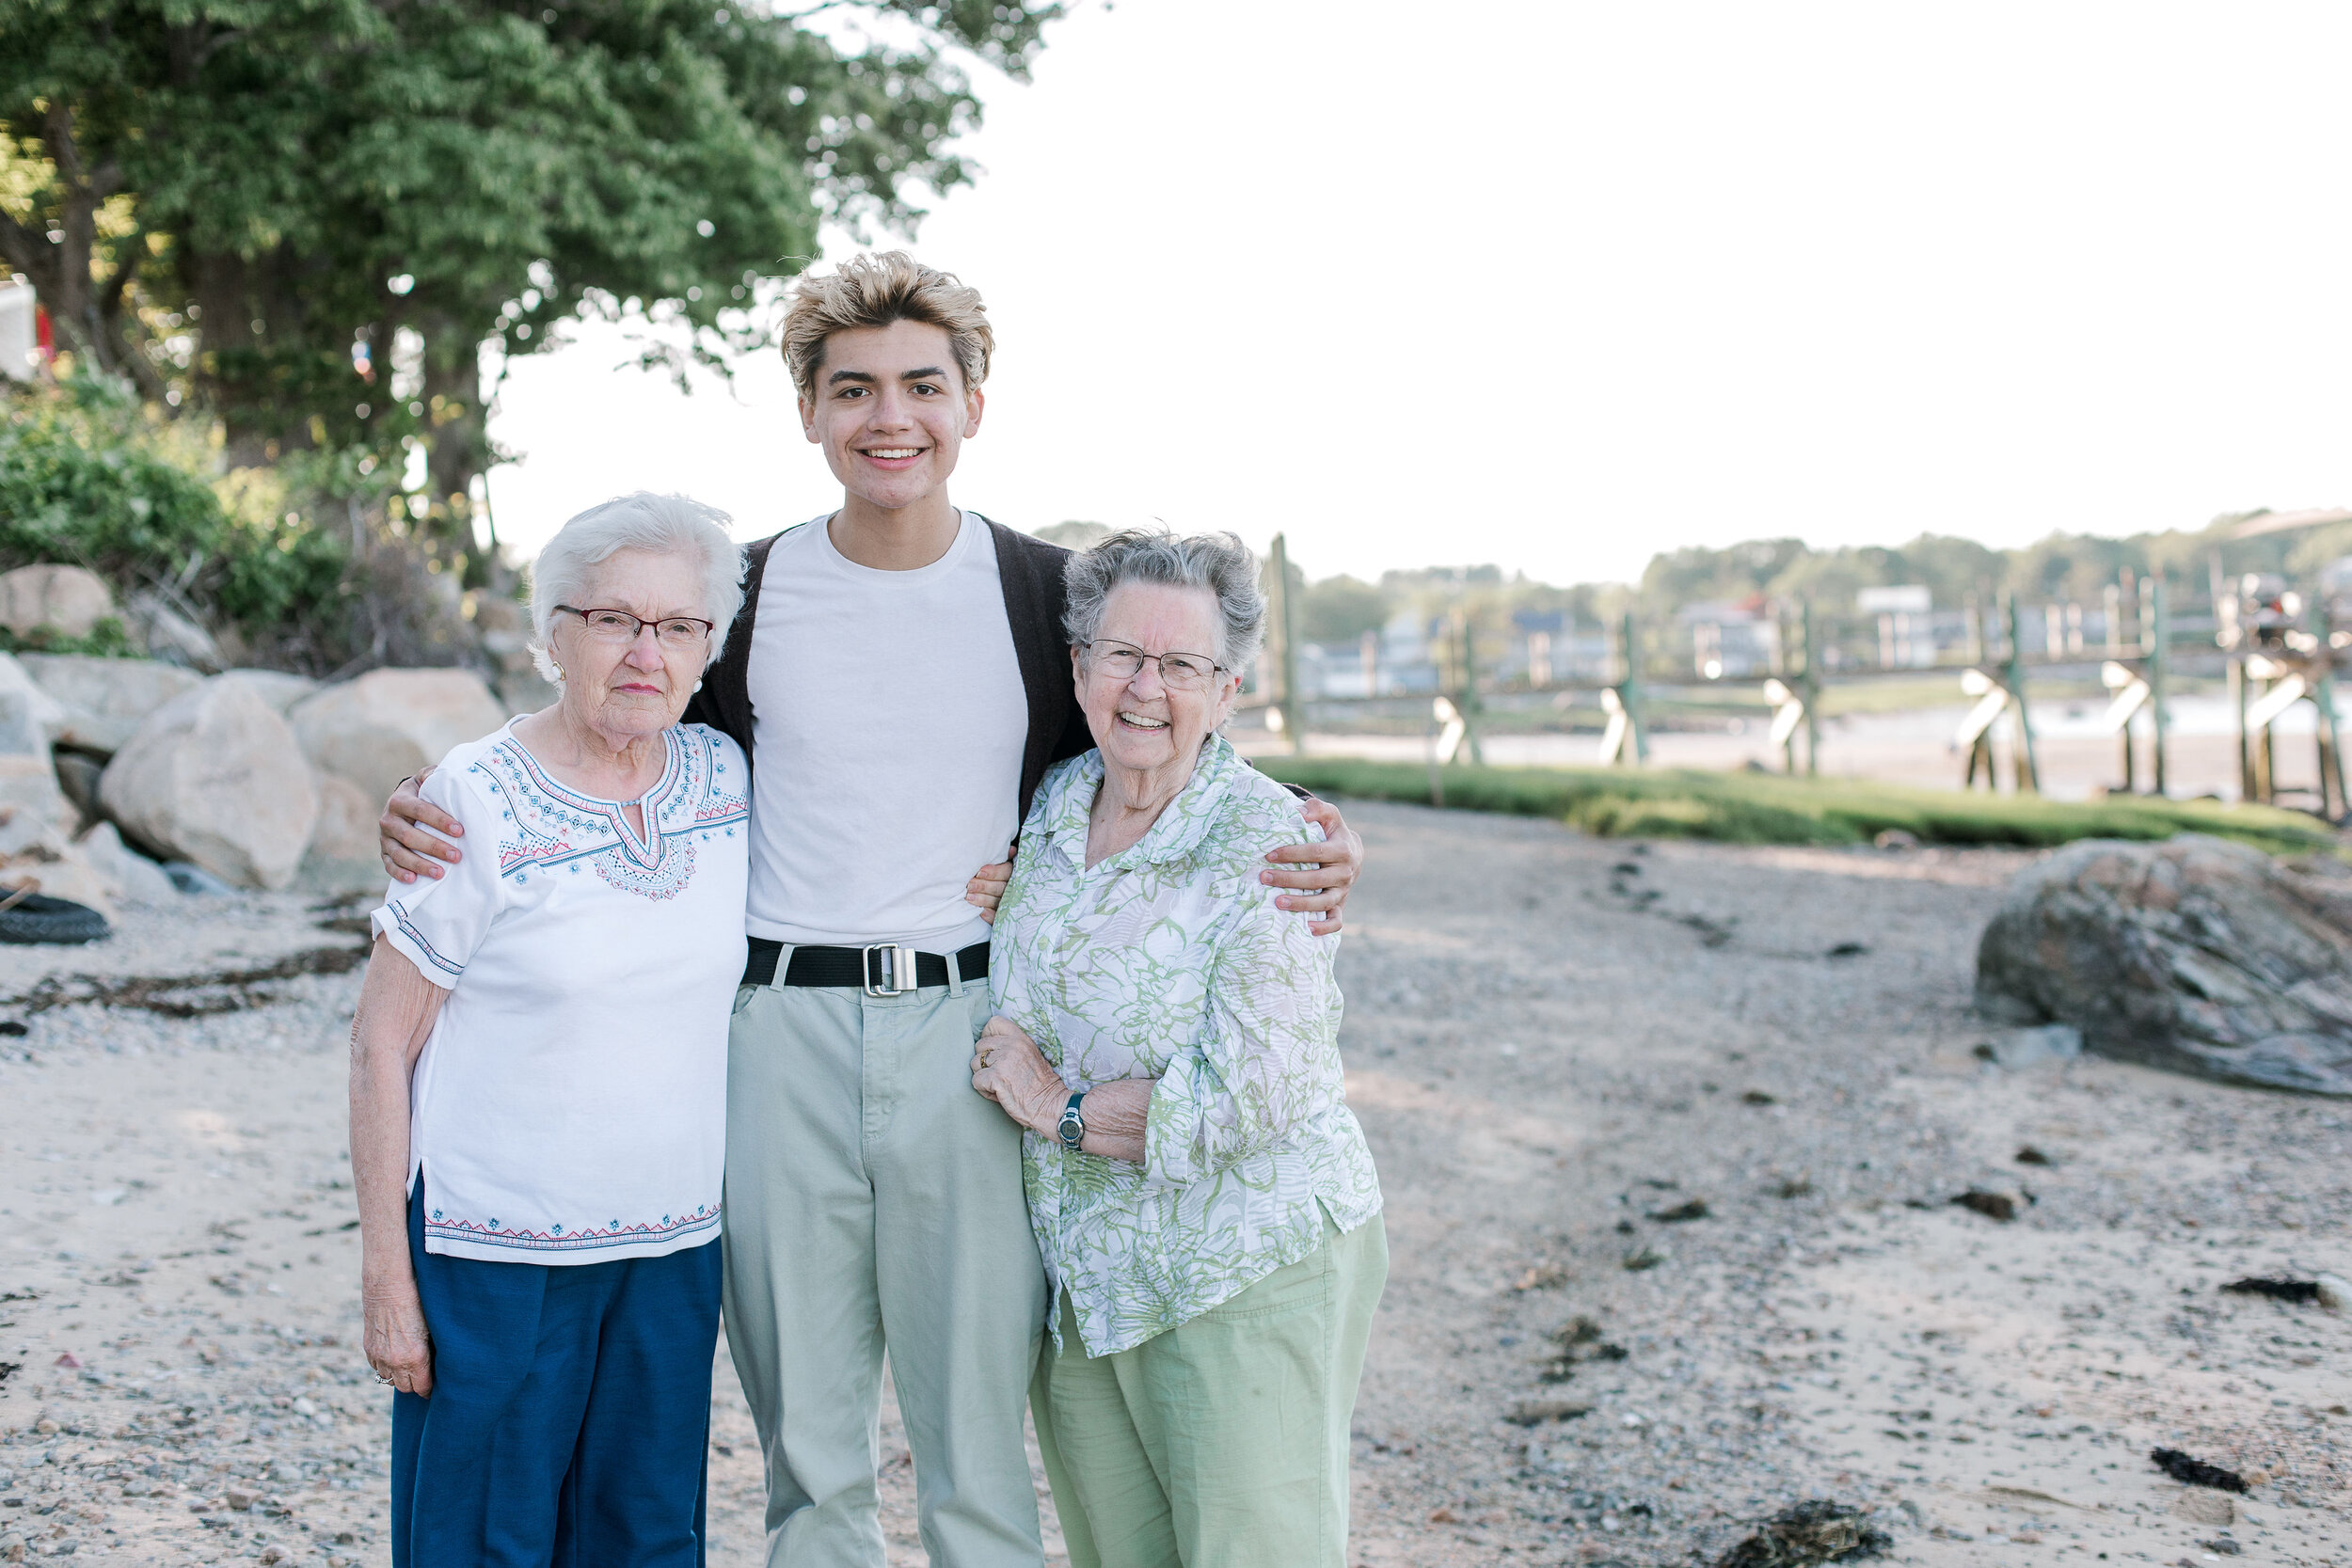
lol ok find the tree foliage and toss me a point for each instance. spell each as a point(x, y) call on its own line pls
point(1736, 572)
point(1340, 608)
point(310, 215)
point(2060, 567)
point(1758, 572)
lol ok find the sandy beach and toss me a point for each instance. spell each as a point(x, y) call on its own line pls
point(1668, 1135)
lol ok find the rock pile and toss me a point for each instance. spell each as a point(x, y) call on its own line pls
point(259, 779)
point(2196, 954)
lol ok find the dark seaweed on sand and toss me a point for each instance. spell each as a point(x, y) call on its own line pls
point(2195, 1472)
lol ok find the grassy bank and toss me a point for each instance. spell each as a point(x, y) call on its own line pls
point(1762, 808)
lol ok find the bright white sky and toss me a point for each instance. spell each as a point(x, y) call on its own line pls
point(1560, 285)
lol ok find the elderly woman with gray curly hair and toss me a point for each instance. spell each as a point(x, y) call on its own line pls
point(538, 1081)
point(1203, 1197)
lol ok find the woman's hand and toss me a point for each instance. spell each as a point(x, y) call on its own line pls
point(986, 890)
point(1329, 871)
point(1007, 1068)
point(393, 1332)
point(407, 849)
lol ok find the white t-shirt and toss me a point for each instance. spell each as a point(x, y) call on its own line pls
point(889, 723)
point(570, 1104)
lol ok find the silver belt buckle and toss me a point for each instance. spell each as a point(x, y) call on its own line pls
point(898, 969)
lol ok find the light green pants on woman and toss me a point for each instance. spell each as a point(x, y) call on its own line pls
point(1223, 1442)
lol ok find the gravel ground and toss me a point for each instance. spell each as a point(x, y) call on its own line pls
point(1557, 1046)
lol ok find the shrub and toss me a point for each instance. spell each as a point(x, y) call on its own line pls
point(86, 481)
point(1750, 808)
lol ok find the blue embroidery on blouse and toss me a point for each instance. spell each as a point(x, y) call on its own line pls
point(553, 825)
point(408, 929)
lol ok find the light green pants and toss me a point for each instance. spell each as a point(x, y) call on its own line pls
point(874, 1201)
point(1223, 1442)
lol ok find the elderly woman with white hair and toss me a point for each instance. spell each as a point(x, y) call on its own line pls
point(538, 1081)
point(1206, 1205)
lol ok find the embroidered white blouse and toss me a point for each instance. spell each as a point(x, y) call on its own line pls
point(570, 1104)
point(1169, 960)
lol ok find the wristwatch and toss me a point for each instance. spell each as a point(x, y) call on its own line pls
point(1072, 1126)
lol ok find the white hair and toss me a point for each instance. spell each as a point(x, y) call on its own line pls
point(660, 525)
point(1218, 562)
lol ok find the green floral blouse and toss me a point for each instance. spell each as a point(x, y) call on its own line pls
point(1169, 960)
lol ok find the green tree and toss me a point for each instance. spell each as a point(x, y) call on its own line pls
point(1952, 568)
point(1340, 609)
point(1830, 578)
point(1739, 571)
point(310, 216)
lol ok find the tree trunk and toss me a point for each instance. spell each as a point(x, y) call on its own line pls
point(83, 313)
point(251, 309)
point(458, 450)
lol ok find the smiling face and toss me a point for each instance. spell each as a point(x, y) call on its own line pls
point(891, 410)
point(1138, 723)
point(637, 687)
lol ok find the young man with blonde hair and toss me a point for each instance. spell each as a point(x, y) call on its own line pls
point(899, 678)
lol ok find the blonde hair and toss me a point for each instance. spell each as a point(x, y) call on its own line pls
point(875, 290)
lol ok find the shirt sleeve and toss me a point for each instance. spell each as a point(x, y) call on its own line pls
point(1269, 1053)
point(437, 925)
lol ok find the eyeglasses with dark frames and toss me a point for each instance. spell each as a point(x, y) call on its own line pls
point(618, 626)
point(1178, 672)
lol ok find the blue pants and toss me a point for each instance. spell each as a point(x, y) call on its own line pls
point(569, 1416)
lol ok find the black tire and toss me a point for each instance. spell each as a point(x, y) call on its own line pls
point(38, 918)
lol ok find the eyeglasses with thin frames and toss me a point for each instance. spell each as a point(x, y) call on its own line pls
point(618, 626)
point(1178, 672)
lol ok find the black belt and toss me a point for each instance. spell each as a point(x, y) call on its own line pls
point(885, 969)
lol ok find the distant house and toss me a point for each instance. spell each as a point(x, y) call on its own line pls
point(1910, 598)
point(1909, 634)
point(1731, 638)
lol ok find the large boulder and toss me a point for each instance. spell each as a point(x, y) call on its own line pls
point(343, 856)
point(133, 875)
point(215, 776)
point(274, 687)
point(2196, 955)
point(66, 601)
point(389, 723)
point(31, 801)
point(105, 699)
point(29, 716)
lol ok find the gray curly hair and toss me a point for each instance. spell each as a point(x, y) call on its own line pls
point(1219, 563)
